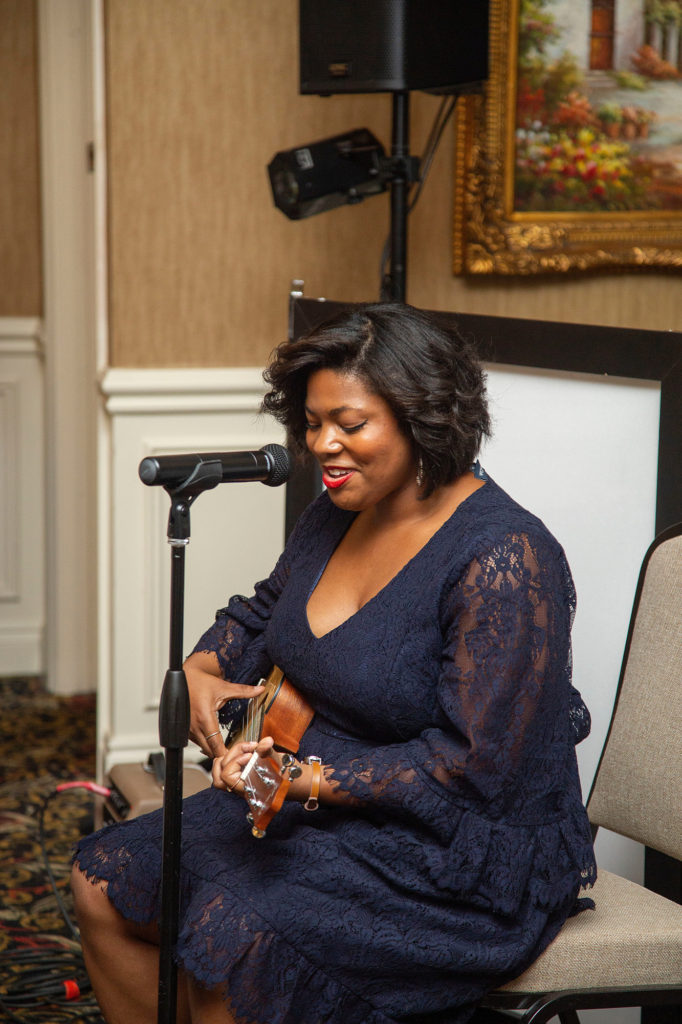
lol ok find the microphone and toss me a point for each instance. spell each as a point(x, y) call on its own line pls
point(270, 465)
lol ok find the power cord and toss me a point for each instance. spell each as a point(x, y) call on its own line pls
point(52, 973)
point(63, 787)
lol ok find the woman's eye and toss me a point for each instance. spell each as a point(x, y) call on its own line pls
point(354, 429)
point(311, 426)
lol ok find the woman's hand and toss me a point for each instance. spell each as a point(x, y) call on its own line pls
point(227, 769)
point(208, 691)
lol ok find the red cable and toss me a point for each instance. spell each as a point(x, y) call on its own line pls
point(94, 787)
point(71, 989)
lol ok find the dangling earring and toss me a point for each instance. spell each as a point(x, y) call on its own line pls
point(420, 472)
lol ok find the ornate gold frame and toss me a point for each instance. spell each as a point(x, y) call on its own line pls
point(489, 236)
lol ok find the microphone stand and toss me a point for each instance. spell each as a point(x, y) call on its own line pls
point(174, 718)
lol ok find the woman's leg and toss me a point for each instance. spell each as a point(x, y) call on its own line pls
point(121, 958)
point(207, 1006)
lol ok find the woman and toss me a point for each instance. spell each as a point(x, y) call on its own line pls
point(426, 617)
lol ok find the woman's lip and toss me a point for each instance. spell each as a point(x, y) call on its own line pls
point(336, 481)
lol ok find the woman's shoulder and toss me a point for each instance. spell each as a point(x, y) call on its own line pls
point(498, 515)
point(496, 531)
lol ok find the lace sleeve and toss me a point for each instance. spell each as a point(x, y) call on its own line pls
point(503, 690)
point(581, 720)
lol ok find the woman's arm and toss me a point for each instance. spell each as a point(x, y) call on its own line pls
point(503, 693)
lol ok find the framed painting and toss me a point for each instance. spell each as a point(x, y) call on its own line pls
point(572, 160)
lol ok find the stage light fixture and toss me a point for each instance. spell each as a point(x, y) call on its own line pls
point(329, 173)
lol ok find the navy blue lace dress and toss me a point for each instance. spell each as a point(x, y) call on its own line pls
point(445, 706)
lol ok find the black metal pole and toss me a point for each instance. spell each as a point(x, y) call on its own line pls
point(174, 716)
point(400, 185)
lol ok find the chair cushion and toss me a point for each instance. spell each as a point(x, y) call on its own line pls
point(632, 937)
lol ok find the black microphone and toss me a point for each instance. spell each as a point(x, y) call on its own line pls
point(270, 465)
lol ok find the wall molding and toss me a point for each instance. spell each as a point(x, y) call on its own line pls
point(132, 391)
point(21, 335)
point(11, 512)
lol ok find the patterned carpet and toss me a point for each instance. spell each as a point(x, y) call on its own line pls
point(45, 741)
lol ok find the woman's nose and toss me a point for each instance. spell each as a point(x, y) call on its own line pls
point(327, 440)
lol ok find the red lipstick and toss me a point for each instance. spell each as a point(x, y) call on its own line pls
point(336, 481)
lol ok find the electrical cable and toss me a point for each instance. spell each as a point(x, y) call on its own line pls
point(443, 115)
point(52, 973)
point(93, 787)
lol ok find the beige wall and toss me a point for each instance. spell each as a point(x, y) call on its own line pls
point(201, 94)
point(20, 261)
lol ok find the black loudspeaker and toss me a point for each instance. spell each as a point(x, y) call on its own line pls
point(393, 45)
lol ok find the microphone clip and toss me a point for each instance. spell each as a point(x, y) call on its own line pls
point(204, 477)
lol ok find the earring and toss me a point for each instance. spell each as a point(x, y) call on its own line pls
point(420, 472)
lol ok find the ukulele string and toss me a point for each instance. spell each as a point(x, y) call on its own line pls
point(254, 720)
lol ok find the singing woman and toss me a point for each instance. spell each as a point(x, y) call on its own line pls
point(435, 840)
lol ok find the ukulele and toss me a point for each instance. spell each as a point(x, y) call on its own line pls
point(282, 712)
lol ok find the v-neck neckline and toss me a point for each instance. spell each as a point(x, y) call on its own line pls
point(389, 583)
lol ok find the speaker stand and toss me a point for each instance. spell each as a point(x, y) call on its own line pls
point(403, 172)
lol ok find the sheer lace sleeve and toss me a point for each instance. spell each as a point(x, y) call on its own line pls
point(503, 691)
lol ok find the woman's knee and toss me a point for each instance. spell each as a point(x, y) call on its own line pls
point(89, 899)
point(97, 915)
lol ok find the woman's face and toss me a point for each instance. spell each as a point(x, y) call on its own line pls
point(364, 456)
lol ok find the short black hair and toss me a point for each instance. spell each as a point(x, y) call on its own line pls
point(431, 379)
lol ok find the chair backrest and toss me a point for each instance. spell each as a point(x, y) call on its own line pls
point(637, 790)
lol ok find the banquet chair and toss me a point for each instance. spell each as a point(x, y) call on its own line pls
point(628, 950)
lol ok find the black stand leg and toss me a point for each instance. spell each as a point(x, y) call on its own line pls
point(174, 719)
point(205, 473)
point(174, 735)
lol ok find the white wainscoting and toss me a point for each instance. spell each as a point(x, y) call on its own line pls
point(22, 498)
point(237, 533)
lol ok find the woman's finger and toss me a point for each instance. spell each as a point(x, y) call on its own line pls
point(265, 745)
point(227, 769)
point(237, 691)
point(213, 744)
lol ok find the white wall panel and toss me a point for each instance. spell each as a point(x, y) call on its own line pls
point(22, 502)
point(581, 451)
point(237, 532)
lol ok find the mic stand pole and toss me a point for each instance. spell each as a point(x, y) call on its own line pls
point(174, 718)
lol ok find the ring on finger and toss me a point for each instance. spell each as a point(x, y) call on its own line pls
point(212, 734)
